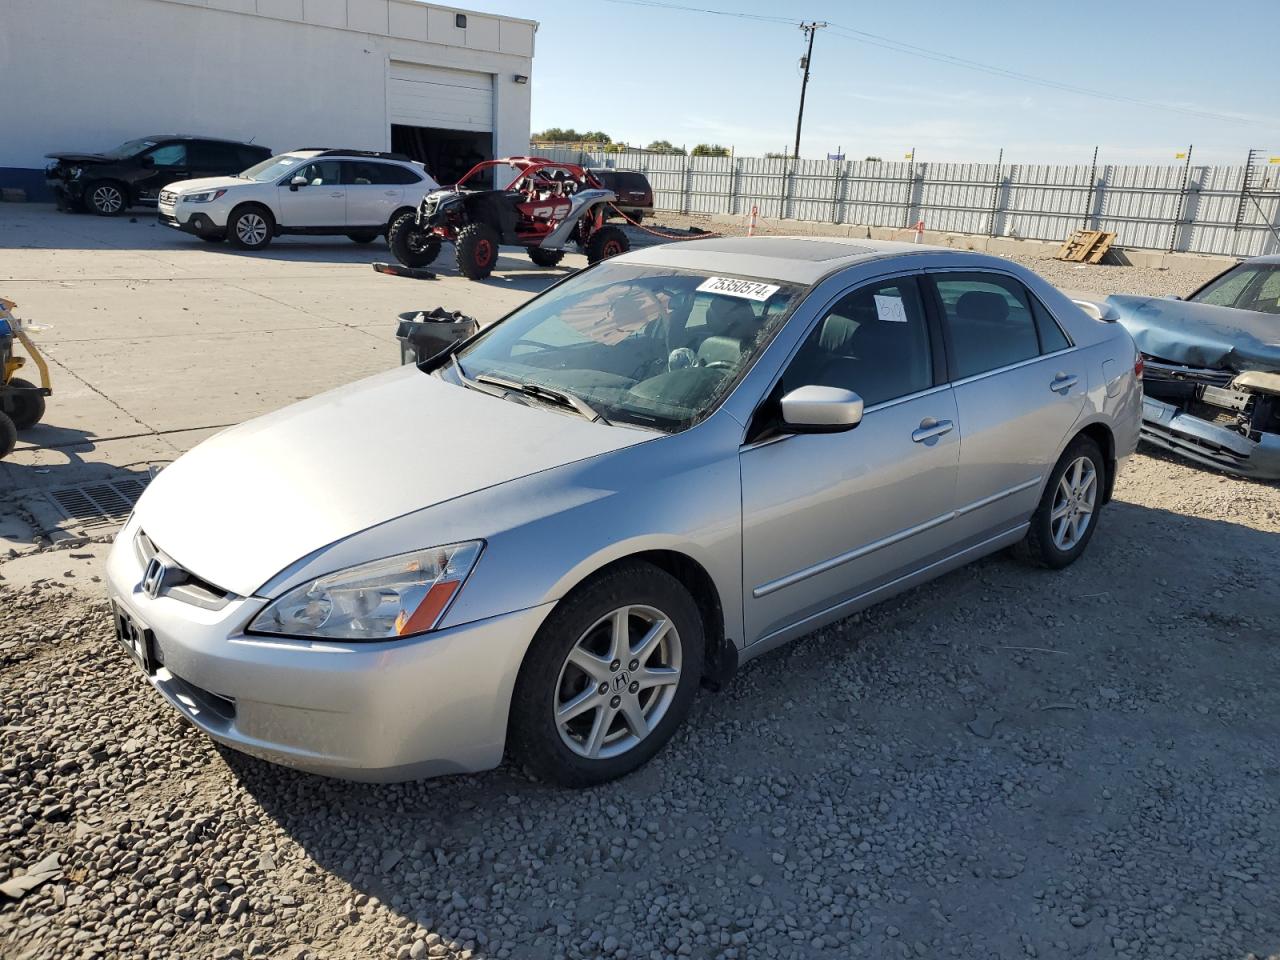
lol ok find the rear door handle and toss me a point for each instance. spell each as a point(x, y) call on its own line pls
point(1063, 382)
point(390, 193)
point(931, 429)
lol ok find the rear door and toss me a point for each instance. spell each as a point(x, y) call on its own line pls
point(1020, 386)
point(167, 163)
point(319, 202)
point(828, 517)
point(374, 191)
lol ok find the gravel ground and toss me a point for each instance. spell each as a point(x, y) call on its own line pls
point(1006, 763)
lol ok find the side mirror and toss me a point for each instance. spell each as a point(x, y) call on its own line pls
point(816, 409)
point(298, 181)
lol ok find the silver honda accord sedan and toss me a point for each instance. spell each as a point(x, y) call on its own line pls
point(540, 542)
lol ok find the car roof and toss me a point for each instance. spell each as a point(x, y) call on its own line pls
point(803, 260)
point(198, 136)
point(1268, 258)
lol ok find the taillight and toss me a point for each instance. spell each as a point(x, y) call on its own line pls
point(1138, 364)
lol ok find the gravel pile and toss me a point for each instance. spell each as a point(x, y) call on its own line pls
point(1007, 763)
point(1102, 279)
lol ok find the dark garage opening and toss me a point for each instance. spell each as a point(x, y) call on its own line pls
point(447, 154)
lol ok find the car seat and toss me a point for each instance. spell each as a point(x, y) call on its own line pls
point(731, 326)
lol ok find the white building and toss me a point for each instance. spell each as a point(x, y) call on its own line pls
point(444, 85)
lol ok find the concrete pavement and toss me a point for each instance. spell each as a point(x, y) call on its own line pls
point(158, 339)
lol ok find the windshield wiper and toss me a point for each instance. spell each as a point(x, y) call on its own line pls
point(560, 397)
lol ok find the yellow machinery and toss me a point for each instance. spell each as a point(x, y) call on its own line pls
point(21, 402)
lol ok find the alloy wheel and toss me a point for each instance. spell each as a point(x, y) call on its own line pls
point(617, 682)
point(107, 199)
point(251, 229)
point(1073, 503)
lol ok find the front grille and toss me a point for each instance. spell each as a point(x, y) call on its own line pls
point(180, 584)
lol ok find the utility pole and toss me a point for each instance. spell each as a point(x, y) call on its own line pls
point(811, 28)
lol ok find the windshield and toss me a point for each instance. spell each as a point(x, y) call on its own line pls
point(130, 148)
point(639, 344)
point(271, 168)
point(1246, 287)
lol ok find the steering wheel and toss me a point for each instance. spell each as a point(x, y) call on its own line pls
point(716, 365)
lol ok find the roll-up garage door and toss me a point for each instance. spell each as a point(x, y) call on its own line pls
point(423, 96)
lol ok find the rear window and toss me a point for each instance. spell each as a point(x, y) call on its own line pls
point(632, 181)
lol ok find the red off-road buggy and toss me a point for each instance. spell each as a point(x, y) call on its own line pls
point(546, 207)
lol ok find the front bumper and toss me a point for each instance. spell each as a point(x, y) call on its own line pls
point(199, 224)
point(361, 711)
point(1165, 426)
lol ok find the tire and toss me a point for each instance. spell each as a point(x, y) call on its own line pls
point(409, 245)
point(365, 236)
point(545, 258)
point(476, 250)
point(607, 242)
point(250, 228)
point(1050, 541)
point(582, 622)
point(636, 216)
point(25, 406)
point(8, 436)
point(106, 198)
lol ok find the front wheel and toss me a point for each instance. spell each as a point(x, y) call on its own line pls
point(106, 198)
point(8, 436)
point(609, 677)
point(411, 245)
point(477, 250)
point(1063, 523)
point(25, 404)
point(607, 242)
point(250, 228)
point(545, 258)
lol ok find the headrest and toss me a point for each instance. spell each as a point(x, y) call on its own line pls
point(982, 305)
point(730, 316)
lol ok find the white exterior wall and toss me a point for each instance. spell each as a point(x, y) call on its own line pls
point(86, 75)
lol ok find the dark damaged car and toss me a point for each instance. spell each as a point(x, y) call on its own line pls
point(1211, 382)
point(133, 173)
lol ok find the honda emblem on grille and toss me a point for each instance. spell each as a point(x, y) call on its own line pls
point(153, 578)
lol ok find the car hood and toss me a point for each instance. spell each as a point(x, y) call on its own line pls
point(1201, 334)
point(252, 500)
point(187, 187)
point(81, 157)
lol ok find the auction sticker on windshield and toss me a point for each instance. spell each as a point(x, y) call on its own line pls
point(748, 289)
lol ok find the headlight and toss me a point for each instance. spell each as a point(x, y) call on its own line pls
point(207, 197)
point(396, 597)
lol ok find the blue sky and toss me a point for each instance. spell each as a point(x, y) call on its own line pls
point(641, 73)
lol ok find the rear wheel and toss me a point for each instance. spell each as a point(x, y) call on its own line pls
point(1063, 523)
point(364, 236)
point(8, 436)
point(106, 198)
point(609, 677)
point(545, 258)
point(477, 250)
point(24, 404)
point(607, 242)
point(250, 228)
point(411, 245)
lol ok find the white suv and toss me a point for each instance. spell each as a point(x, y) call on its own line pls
point(312, 191)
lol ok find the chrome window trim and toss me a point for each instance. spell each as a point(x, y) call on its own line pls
point(1013, 366)
point(823, 566)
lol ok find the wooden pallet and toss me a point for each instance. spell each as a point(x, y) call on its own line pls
point(1087, 246)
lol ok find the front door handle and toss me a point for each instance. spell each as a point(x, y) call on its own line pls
point(337, 196)
point(1063, 382)
point(931, 429)
point(389, 193)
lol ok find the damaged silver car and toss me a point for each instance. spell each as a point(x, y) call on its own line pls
point(1211, 382)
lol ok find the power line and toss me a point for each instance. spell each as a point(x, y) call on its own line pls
point(925, 53)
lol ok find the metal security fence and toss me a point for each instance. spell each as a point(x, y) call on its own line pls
point(1233, 211)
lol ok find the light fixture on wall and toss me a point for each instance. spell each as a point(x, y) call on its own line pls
point(520, 78)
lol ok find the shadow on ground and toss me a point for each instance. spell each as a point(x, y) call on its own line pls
point(1006, 757)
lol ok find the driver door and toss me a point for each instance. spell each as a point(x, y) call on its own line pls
point(829, 517)
point(320, 202)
